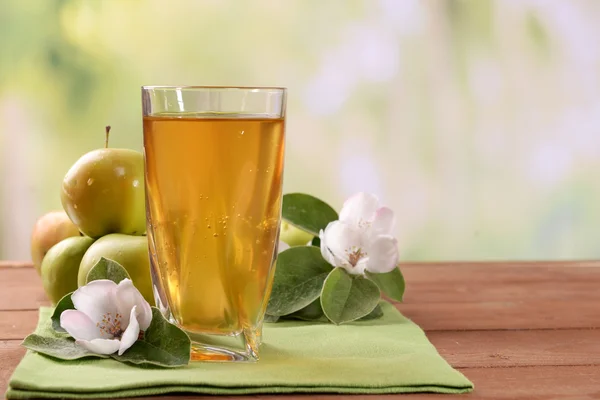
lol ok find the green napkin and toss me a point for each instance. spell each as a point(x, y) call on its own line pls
point(386, 355)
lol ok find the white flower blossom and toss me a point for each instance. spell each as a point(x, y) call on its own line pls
point(108, 317)
point(361, 240)
point(283, 246)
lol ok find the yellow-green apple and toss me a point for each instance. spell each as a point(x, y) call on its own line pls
point(103, 192)
point(50, 229)
point(293, 236)
point(129, 251)
point(61, 266)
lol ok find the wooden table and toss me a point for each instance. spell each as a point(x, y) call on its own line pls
point(517, 330)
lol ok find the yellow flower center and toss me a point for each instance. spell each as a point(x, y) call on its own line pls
point(354, 255)
point(111, 326)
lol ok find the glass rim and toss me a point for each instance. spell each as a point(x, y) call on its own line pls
point(199, 87)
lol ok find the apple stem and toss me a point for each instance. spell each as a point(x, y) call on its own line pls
point(106, 139)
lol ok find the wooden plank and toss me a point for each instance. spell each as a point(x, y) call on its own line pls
point(471, 292)
point(468, 297)
point(474, 349)
point(549, 272)
point(509, 315)
point(506, 263)
point(17, 324)
point(15, 264)
point(23, 284)
point(580, 382)
point(532, 282)
point(10, 355)
point(475, 283)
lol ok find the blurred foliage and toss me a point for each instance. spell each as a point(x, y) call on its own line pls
point(476, 120)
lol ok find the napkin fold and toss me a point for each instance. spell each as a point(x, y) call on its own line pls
point(386, 355)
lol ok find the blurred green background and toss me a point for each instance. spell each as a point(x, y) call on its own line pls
point(477, 121)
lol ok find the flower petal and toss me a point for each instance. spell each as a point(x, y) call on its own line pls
point(96, 299)
point(325, 252)
point(159, 303)
point(132, 332)
point(79, 325)
point(359, 209)
point(283, 246)
point(340, 240)
point(383, 223)
point(359, 268)
point(127, 297)
point(100, 346)
point(383, 254)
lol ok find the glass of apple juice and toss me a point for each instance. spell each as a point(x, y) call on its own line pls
point(214, 171)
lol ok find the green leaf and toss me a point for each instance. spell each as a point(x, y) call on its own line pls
point(107, 269)
point(346, 298)
point(271, 318)
point(312, 312)
point(63, 304)
point(316, 241)
point(391, 283)
point(62, 347)
point(299, 277)
point(163, 344)
point(307, 212)
point(376, 313)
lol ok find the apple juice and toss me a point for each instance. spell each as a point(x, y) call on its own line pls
point(213, 187)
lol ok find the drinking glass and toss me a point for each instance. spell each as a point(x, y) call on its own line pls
point(214, 171)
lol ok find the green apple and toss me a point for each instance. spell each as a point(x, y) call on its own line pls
point(103, 192)
point(61, 265)
point(129, 251)
point(50, 229)
point(294, 236)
